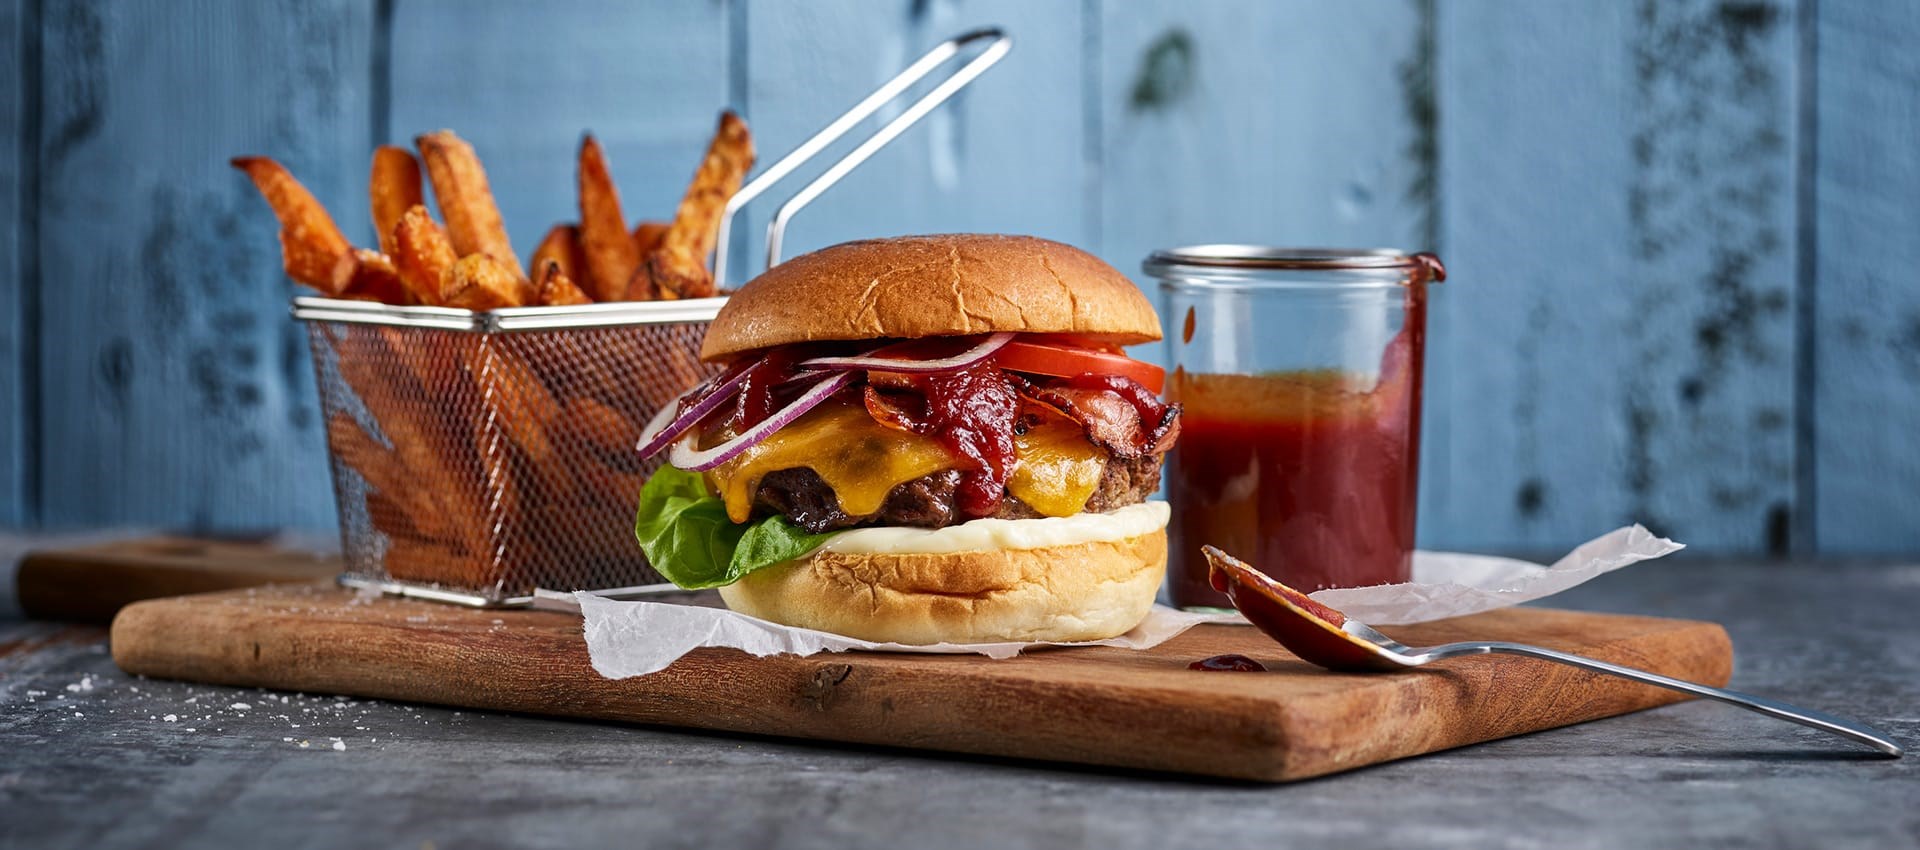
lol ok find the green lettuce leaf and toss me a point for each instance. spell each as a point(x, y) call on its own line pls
point(688, 538)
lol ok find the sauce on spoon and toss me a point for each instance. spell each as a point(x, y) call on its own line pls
point(1307, 628)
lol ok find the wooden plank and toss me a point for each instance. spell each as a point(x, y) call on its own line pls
point(92, 583)
point(1258, 122)
point(1091, 705)
point(1005, 155)
point(1866, 370)
point(523, 81)
point(1618, 219)
point(178, 391)
point(15, 412)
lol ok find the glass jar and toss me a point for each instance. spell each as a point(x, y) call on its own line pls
point(1300, 374)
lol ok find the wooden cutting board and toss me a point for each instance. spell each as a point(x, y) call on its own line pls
point(92, 583)
point(1090, 705)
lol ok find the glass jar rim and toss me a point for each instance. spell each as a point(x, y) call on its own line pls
point(1262, 257)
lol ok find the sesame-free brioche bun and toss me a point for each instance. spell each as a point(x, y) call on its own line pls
point(921, 286)
point(1081, 591)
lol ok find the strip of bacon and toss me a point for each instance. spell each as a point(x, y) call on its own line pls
point(1120, 415)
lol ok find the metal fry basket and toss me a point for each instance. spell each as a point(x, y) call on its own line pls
point(478, 457)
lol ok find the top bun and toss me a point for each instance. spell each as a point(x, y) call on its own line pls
point(921, 286)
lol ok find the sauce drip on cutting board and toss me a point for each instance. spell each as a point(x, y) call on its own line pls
point(1229, 663)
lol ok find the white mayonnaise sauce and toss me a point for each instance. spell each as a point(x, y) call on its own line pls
point(982, 535)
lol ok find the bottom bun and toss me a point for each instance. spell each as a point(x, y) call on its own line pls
point(1082, 591)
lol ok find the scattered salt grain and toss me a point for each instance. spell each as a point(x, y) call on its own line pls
point(84, 685)
point(241, 706)
point(171, 718)
point(339, 745)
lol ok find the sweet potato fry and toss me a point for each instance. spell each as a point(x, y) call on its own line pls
point(558, 290)
point(422, 255)
point(428, 467)
point(604, 466)
point(678, 268)
point(368, 276)
point(522, 405)
point(605, 431)
point(671, 274)
point(310, 243)
point(610, 252)
point(479, 282)
point(466, 202)
point(641, 287)
point(647, 235)
point(393, 188)
point(385, 474)
point(560, 246)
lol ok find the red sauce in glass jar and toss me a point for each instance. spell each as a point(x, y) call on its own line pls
point(1311, 477)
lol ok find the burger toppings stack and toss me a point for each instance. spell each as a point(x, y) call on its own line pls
point(966, 383)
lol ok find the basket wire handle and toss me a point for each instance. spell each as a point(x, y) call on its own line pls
point(999, 43)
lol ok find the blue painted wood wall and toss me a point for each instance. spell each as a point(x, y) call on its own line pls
point(1680, 232)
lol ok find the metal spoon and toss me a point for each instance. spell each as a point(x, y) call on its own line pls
point(1323, 636)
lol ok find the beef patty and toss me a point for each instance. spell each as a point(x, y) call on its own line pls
point(928, 502)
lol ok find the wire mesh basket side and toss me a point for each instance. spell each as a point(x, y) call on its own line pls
point(570, 404)
point(494, 463)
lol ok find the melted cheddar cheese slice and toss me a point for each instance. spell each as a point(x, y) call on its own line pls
point(1055, 469)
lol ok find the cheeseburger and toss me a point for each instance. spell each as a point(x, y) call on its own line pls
point(921, 440)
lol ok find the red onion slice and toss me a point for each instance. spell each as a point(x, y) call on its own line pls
point(668, 425)
point(686, 457)
point(807, 376)
point(918, 367)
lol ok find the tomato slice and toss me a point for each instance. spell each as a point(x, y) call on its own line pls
point(1066, 362)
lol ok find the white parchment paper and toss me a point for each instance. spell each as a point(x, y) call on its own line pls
point(634, 638)
point(1449, 584)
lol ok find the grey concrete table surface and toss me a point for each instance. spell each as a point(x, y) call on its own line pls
point(90, 757)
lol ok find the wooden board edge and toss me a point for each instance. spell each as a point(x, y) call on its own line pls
point(855, 698)
point(1686, 649)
